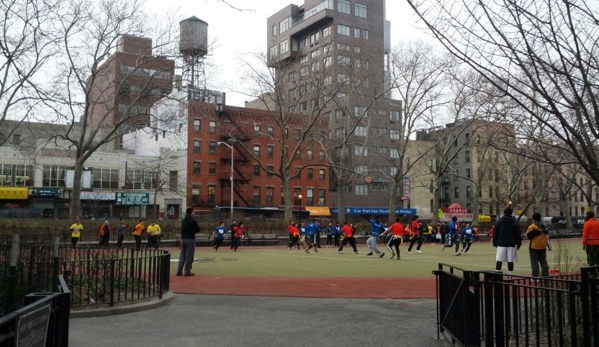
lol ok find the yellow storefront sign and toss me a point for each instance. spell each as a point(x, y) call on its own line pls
point(318, 211)
point(14, 193)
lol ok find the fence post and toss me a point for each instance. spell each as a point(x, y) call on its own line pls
point(56, 264)
point(12, 274)
point(112, 261)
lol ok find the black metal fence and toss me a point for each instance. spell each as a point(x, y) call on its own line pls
point(486, 308)
point(44, 321)
point(95, 276)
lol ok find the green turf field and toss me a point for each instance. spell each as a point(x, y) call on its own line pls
point(277, 261)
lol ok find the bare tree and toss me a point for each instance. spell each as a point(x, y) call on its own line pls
point(308, 96)
point(26, 44)
point(419, 78)
point(86, 90)
point(541, 54)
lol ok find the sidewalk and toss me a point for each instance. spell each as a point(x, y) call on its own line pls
point(236, 321)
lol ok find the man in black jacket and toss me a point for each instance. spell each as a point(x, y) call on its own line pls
point(189, 229)
point(508, 239)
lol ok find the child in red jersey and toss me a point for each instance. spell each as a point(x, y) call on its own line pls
point(239, 232)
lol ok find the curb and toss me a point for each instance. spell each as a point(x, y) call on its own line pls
point(144, 306)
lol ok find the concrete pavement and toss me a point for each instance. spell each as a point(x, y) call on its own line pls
point(240, 321)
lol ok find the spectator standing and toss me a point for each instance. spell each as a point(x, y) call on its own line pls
point(330, 232)
point(239, 232)
point(537, 249)
point(138, 232)
point(348, 236)
point(397, 231)
point(590, 238)
point(105, 230)
point(218, 235)
point(153, 231)
point(508, 239)
point(120, 232)
point(189, 229)
point(76, 229)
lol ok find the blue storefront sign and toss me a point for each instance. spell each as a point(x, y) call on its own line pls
point(382, 211)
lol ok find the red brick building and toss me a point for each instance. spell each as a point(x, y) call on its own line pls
point(256, 136)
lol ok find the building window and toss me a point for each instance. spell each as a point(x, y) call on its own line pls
point(321, 174)
point(468, 173)
point(310, 173)
point(284, 47)
point(270, 169)
point(292, 76)
point(197, 125)
point(298, 173)
point(16, 139)
point(357, 32)
point(16, 175)
point(257, 130)
point(196, 167)
point(394, 116)
point(394, 134)
point(196, 146)
point(467, 155)
point(365, 34)
point(292, 93)
point(173, 180)
point(195, 194)
point(283, 25)
point(361, 130)
point(212, 146)
point(344, 6)
point(212, 126)
point(270, 151)
point(297, 134)
point(394, 153)
point(270, 191)
point(361, 150)
point(141, 179)
point(361, 10)
point(343, 30)
point(321, 155)
point(54, 176)
point(106, 178)
point(212, 168)
point(456, 176)
point(326, 31)
point(309, 196)
point(256, 150)
point(468, 192)
point(321, 197)
point(270, 130)
point(361, 189)
point(256, 170)
point(456, 192)
point(274, 30)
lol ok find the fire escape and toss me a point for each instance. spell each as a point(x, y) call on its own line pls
point(233, 133)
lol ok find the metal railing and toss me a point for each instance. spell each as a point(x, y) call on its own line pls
point(476, 308)
point(44, 311)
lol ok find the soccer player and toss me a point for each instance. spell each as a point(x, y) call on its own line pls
point(397, 231)
point(218, 235)
point(76, 230)
point(348, 236)
point(508, 239)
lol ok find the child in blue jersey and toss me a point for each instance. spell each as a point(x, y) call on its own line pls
point(376, 229)
point(336, 234)
point(452, 236)
point(330, 232)
point(314, 231)
point(219, 235)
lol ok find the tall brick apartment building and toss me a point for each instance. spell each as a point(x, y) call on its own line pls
point(341, 47)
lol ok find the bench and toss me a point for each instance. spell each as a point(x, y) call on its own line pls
point(255, 239)
point(270, 239)
point(201, 240)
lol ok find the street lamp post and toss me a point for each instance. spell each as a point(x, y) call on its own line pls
point(230, 145)
point(299, 197)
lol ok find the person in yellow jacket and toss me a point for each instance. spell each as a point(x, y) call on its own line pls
point(76, 230)
point(538, 236)
point(153, 232)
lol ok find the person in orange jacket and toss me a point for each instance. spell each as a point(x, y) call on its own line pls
point(105, 230)
point(590, 238)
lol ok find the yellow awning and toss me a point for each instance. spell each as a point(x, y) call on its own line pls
point(14, 193)
point(318, 211)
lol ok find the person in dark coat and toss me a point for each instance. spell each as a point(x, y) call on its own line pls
point(189, 229)
point(507, 237)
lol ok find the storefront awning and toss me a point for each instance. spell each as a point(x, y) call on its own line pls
point(318, 211)
point(46, 192)
point(14, 193)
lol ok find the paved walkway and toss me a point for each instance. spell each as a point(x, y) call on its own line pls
point(240, 321)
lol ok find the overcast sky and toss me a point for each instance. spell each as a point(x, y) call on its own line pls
point(241, 32)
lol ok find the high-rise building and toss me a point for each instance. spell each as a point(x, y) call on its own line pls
point(126, 85)
point(333, 54)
